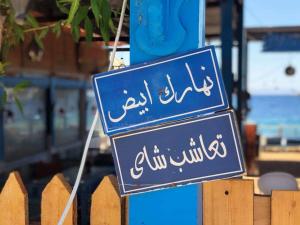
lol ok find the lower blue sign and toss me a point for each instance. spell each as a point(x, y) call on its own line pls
point(190, 151)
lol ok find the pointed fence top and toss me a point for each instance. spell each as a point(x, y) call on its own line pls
point(106, 203)
point(54, 200)
point(14, 201)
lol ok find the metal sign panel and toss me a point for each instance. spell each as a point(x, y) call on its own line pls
point(169, 89)
point(190, 151)
point(286, 42)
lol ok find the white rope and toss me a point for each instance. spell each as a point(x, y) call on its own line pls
point(87, 143)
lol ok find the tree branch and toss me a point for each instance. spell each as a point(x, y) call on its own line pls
point(40, 28)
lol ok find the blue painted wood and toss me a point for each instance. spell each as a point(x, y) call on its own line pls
point(189, 151)
point(163, 27)
point(50, 112)
point(44, 82)
point(166, 207)
point(176, 206)
point(170, 89)
point(33, 81)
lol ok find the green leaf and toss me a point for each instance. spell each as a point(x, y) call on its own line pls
point(88, 26)
point(105, 33)
point(75, 33)
point(80, 15)
point(61, 7)
point(19, 104)
point(32, 21)
point(43, 33)
point(73, 10)
point(105, 13)
point(19, 33)
point(65, 1)
point(96, 10)
point(38, 41)
point(112, 26)
point(21, 86)
point(57, 29)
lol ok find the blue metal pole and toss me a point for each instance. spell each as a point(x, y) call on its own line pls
point(51, 113)
point(227, 41)
point(242, 62)
point(2, 150)
point(159, 28)
point(82, 111)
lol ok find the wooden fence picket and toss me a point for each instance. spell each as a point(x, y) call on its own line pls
point(228, 202)
point(107, 206)
point(14, 202)
point(262, 210)
point(54, 199)
point(285, 207)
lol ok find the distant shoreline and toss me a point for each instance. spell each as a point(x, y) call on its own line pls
point(276, 115)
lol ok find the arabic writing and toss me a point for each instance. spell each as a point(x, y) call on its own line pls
point(193, 155)
point(165, 97)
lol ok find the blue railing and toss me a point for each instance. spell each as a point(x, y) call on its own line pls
point(289, 131)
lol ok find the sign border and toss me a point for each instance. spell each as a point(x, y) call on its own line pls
point(168, 59)
point(237, 143)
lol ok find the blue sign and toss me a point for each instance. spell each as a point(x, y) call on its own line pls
point(170, 89)
point(282, 42)
point(159, 27)
point(190, 151)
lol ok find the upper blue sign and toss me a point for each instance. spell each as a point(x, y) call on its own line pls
point(190, 151)
point(169, 89)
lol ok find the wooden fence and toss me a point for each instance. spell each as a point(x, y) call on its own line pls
point(225, 202)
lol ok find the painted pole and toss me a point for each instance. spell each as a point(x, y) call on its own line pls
point(159, 28)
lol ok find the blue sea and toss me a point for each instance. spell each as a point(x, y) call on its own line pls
point(276, 116)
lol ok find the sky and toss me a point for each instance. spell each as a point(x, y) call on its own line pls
point(266, 70)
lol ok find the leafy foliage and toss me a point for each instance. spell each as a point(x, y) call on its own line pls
point(82, 14)
point(92, 15)
point(73, 10)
